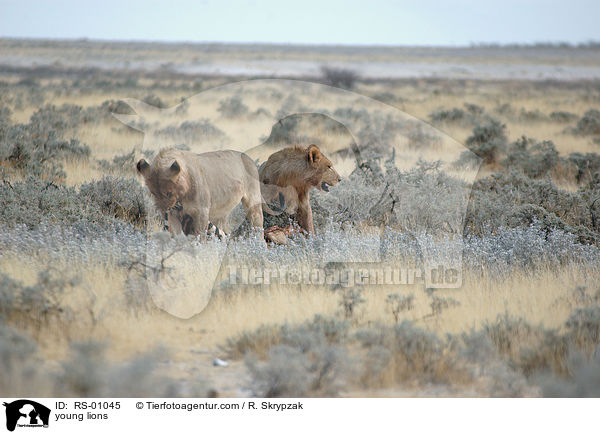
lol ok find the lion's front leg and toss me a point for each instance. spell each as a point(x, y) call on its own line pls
point(174, 222)
point(304, 214)
point(199, 223)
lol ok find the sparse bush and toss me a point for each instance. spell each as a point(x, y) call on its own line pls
point(438, 304)
point(406, 354)
point(105, 110)
point(190, 130)
point(513, 200)
point(339, 77)
point(119, 107)
point(117, 197)
point(20, 374)
point(5, 115)
point(470, 115)
point(488, 141)
point(509, 333)
point(37, 304)
point(505, 110)
point(87, 373)
point(527, 348)
point(474, 109)
point(319, 370)
point(584, 381)
point(36, 148)
point(563, 116)
point(587, 165)
point(50, 117)
point(583, 328)
point(120, 164)
point(33, 202)
point(284, 131)
point(388, 98)
point(305, 360)
point(371, 195)
point(155, 101)
point(453, 115)
point(589, 124)
point(535, 159)
point(259, 341)
point(399, 303)
point(350, 301)
point(232, 107)
point(535, 350)
point(420, 138)
point(532, 116)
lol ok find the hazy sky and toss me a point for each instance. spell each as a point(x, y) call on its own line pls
point(418, 22)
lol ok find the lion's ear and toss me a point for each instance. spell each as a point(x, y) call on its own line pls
point(313, 153)
point(175, 168)
point(142, 166)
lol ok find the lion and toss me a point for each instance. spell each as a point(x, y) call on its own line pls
point(194, 189)
point(293, 172)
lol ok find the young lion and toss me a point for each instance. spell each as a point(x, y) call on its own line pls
point(205, 187)
point(293, 172)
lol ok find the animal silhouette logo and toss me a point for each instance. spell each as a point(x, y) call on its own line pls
point(26, 413)
point(207, 122)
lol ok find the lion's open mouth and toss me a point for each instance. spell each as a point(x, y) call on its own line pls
point(324, 186)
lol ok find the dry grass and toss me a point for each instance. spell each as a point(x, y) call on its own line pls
point(100, 311)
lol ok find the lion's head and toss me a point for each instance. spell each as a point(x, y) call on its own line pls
point(164, 178)
point(323, 175)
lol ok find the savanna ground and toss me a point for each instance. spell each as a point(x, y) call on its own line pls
point(76, 317)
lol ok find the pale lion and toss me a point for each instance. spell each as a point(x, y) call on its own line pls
point(206, 187)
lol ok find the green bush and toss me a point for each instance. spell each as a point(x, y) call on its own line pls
point(20, 375)
point(470, 115)
point(583, 327)
point(232, 107)
point(155, 101)
point(33, 202)
point(339, 77)
point(488, 141)
point(535, 159)
point(304, 360)
point(587, 165)
point(510, 199)
point(532, 116)
point(562, 116)
point(405, 353)
point(122, 198)
point(37, 149)
point(34, 305)
point(589, 124)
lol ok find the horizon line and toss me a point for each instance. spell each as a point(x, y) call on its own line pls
point(537, 44)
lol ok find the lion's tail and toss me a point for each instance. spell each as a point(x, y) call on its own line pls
point(281, 206)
